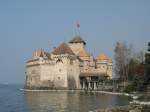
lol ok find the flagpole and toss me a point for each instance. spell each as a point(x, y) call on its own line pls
point(78, 28)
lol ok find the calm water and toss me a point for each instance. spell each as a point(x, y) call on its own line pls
point(14, 100)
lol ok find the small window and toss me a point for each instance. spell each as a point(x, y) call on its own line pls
point(59, 70)
point(71, 62)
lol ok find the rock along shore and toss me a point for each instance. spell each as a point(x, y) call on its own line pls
point(127, 108)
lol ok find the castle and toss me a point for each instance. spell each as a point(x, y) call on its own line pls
point(69, 66)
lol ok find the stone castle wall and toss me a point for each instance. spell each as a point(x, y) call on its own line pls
point(73, 74)
point(60, 71)
point(33, 76)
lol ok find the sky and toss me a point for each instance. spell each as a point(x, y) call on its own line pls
point(28, 25)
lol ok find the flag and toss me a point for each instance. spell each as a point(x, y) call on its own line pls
point(78, 25)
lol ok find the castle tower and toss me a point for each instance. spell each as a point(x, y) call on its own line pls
point(66, 67)
point(36, 67)
point(76, 44)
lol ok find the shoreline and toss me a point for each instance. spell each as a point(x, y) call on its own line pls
point(88, 91)
point(134, 105)
point(134, 97)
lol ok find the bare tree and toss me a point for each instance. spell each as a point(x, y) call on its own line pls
point(122, 58)
point(140, 56)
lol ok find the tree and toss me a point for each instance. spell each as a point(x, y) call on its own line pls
point(122, 58)
point(133, 67)
point(147, 64)
point(140, 56)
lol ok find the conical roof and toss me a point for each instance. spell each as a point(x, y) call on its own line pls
point(63, 49)
point(77, 39)
point(102, 57)
point(83, 53)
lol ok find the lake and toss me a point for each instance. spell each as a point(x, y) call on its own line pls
point(14, 100)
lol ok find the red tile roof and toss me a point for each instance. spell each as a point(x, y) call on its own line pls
point(63, 49)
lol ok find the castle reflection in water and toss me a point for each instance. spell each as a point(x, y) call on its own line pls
point(52, 101)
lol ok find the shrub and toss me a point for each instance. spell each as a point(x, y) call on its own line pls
point(130, 88)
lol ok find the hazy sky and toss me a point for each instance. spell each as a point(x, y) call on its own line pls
point(31, 24)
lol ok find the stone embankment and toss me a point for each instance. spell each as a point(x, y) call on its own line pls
point(128, 108)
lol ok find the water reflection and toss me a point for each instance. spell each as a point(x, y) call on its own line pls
point(70, 101)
